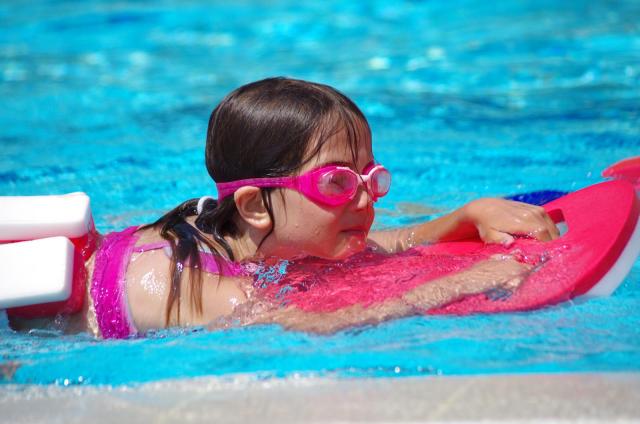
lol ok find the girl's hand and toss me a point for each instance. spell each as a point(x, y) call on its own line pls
point(498, 272)
point(498, 220)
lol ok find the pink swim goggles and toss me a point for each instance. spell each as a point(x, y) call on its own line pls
point(330, 185)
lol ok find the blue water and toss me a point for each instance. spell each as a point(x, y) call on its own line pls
point(465, 98)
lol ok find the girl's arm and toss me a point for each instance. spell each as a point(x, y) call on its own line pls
point(504, 272)
point(493, 220)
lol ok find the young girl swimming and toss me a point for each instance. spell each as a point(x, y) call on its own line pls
point(296, 176)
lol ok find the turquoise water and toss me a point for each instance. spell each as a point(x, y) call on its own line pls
point(465, 99)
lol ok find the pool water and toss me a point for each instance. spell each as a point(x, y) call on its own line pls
point(465, 99)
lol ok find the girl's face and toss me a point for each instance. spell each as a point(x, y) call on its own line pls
point(303, 227)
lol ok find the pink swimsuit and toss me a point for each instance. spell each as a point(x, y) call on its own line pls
point(109, 280)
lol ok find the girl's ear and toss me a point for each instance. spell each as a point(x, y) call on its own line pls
point(251, 207)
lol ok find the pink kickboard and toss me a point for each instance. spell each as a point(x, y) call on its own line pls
point(600, 220)
point(627, 169)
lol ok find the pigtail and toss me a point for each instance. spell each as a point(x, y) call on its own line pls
point(216, 219)
point(186, 242)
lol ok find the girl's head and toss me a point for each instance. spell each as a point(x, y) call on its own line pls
point(273, 128)
point(282, 127)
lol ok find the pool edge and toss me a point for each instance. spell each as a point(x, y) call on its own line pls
point(564, 397)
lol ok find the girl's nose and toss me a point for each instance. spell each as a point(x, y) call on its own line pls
point(363, 198)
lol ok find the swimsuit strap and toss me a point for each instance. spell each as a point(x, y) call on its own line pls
point(209, 261)
point(151, 246)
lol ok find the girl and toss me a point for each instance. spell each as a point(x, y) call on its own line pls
point(296, 176)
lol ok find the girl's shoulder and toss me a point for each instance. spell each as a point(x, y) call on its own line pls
point(148, 284)
point(149, 239)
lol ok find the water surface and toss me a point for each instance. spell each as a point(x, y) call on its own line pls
point(465, 99)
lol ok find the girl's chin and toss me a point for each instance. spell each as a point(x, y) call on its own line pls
point(350, 243)
point(354, 243)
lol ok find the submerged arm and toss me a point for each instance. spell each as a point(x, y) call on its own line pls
point(481, 277)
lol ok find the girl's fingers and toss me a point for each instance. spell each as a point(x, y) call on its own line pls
point(538, 218)
point(498, 221)
point(544, 219)
point(513, 284)
point(496, 237)
point(549, 226)
point(542, 234)
point(553, 230)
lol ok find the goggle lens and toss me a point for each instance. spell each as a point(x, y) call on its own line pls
point(380, 182)
point(340, 185)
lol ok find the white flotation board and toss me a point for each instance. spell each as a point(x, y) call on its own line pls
point(37, 271)
point(36, 217)
point(44, 241)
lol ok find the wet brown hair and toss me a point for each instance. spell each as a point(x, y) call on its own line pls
point(263, 129)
